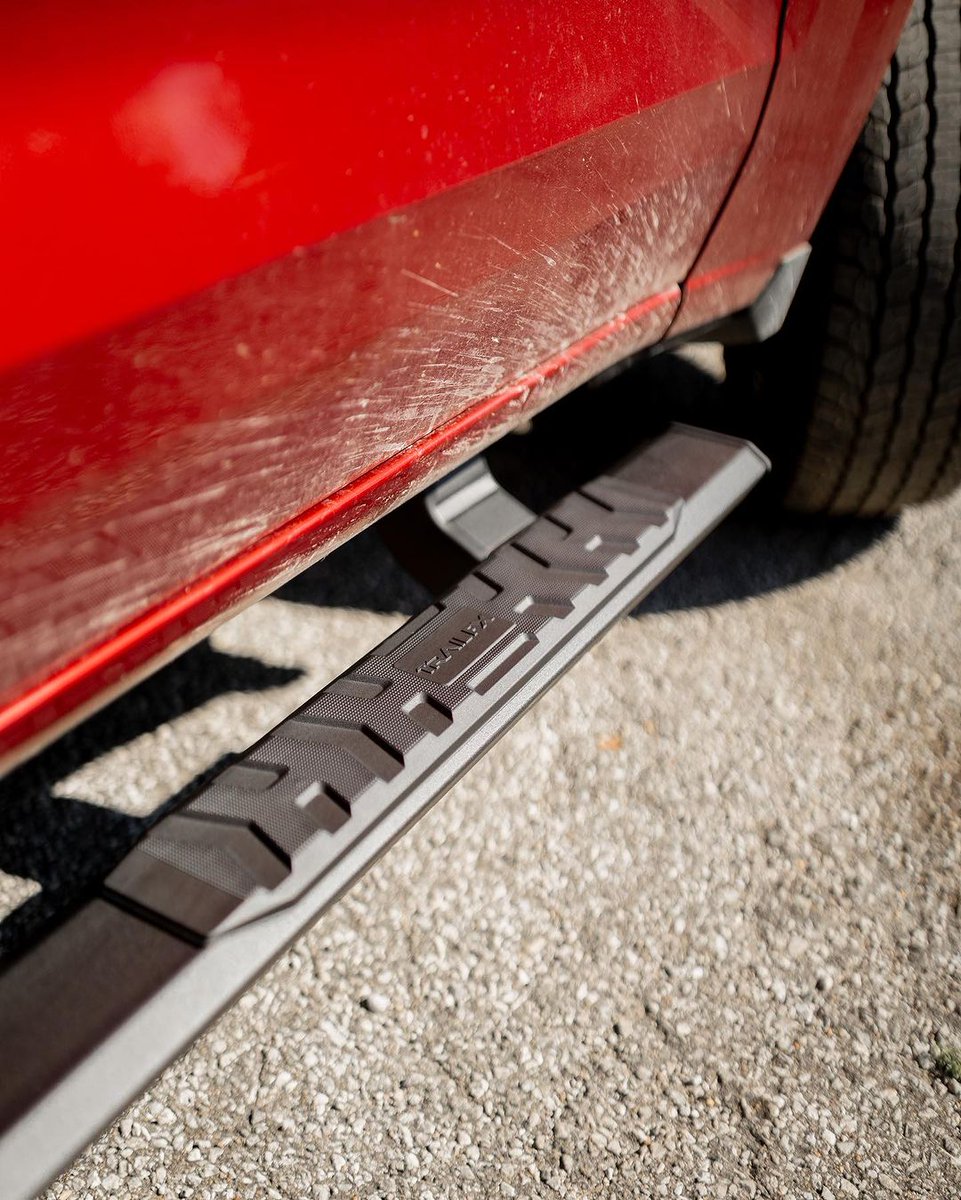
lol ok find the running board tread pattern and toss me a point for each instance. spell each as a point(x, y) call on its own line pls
point(216, 890)
point(326, 773)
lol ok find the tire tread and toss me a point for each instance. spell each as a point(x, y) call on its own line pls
point(884, 427)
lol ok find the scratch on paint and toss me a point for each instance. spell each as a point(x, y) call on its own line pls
point(727, 102)
point(428, 282)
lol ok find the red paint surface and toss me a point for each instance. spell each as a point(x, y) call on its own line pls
point(152, 149)
point(414, 218)
point(388, 235)
point(152, 637)
point(833, 60)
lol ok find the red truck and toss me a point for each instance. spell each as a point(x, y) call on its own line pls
point(272, 269)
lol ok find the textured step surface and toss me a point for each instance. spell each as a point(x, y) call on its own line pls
point(215, 891)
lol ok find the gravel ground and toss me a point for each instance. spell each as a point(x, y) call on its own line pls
point(693, 929)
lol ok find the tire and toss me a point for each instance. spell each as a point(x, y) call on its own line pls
point(868, 364)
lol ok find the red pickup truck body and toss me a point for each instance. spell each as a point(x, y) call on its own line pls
point(270, 268)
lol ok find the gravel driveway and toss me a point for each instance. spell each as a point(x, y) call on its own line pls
point(693, 929)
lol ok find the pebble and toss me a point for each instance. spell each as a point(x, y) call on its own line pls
point(376, 1002)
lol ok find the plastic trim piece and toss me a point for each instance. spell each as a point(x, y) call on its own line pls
point(473, 510)
point(762, 318)
point(214, 892)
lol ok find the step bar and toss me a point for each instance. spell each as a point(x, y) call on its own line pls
point(215, 891)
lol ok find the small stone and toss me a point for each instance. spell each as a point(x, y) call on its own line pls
point(623, 1027)
point(888, 1182)
point(376, 1002)
point(567, 1163)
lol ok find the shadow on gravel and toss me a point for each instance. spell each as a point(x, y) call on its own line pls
point(66, 845)
point(751, 554)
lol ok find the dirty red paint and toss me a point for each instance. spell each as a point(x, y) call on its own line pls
point(271, 268)
point(291, 547)
point(153, 149)
point(833, 60)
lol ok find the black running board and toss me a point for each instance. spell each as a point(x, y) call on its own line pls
point(215, 891)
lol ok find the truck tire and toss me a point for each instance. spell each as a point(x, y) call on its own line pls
point(861, 390)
